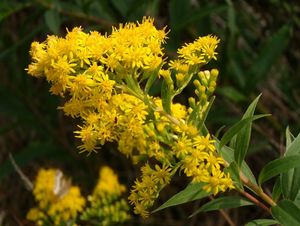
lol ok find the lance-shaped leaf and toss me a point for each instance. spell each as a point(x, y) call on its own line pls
point(166, 97)
point(228, 154)
point(287, 213)
point(223, 203)
point(277, 191)
point(192, 192)
point(243, 136)
point(290, 181)
point(262, 222)
point(150, 80)
point(277, 167)
point(237, 127)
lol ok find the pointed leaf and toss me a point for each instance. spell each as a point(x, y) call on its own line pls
point(276, 193)
point(289, 137)
point(223, 203)
point(243, 137)
point(228, 154)
point(287, 213)
point(290, 181)
point(237, 127)
point(204, 116)
point(278, 166)
point(150, 82)
point(166, 97)
point(297, 200)
point(192, 192)
point(294, 147)
point(262, 222)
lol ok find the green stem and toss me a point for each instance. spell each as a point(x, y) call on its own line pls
point(258, 190)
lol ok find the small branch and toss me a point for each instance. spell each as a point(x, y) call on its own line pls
point(227, 218)
point(255, 201)
point(257, 190)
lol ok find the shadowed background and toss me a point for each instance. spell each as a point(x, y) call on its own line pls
point(259, 53)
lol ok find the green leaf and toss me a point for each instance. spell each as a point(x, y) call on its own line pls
point(295, 183)
point(192, 192)
point(294, 147)
point(237, 127)
point(201, 120)
point(223, 203)
point(243, 136)
point(287, 213)
point(289, 137)
point(297, 199)
point(268, 55)
point(166, 97)
point(150, 82)
point(228, 154)
point(52, 19)
point(276, 192)
point(234, 172)
point(262, 222)
point(277, 167)
point(290, 181)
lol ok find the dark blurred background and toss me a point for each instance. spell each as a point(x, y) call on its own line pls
point(259, 53)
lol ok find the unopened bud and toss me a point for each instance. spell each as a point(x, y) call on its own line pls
point(192, 102)
point(197, 83)
point(214, 73)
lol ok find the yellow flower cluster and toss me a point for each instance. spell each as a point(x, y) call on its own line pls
point(108, 183)
point(107, 79)
point(58, 201)
point(106, 204)
point(201, 162)
point(145, 191)
point(200, 51)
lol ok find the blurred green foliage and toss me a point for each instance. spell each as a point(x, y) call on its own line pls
point(259, 53)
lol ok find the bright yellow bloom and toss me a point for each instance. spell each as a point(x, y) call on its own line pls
point(146, 190)
point(204, 143)
point(108, 182)
point(199, 52)
point(57, 198)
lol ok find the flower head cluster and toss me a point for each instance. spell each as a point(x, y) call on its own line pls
point(146, 190)
point(106, 204)
point(201, 162)
point(58, 201)
point(107, 79)
point(200, 51)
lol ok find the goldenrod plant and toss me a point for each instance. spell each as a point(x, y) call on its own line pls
point(106, 81)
